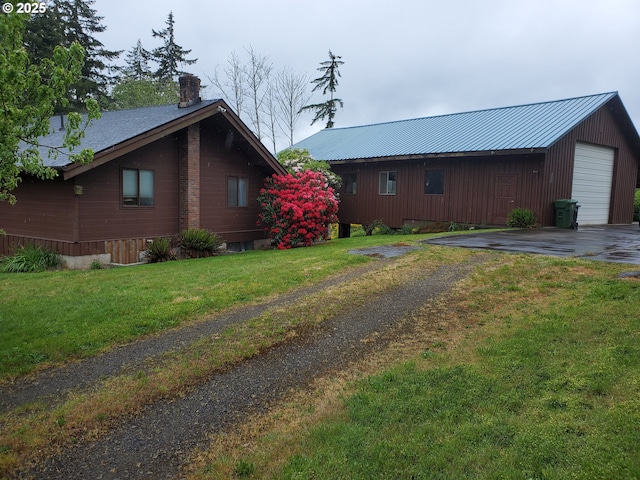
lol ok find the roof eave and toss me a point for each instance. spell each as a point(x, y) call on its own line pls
point(428, 156)
point(150, 136)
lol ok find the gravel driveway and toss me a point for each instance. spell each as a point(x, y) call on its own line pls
point(157, 443)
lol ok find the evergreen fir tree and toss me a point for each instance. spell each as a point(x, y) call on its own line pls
point(81, 23)
point(137, 60)
point(170, 56)
point(328, 82)
point(43, 32)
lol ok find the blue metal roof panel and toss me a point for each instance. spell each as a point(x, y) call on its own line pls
point(537, 125)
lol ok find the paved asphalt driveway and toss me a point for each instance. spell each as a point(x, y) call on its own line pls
point(609, 243)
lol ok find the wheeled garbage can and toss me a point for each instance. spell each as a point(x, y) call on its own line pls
point(566, 213)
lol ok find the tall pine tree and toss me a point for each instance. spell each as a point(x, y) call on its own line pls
point(170, 56)
point(328, 82)
point(43, 32)
point(63, 23)
point(137, 60)
point(81, 24)
point(139, 87)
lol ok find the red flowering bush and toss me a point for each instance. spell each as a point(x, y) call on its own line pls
point(297, 208)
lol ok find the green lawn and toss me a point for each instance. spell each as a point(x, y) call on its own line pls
point(544, 384)
point(51, 317)
point(548, 388)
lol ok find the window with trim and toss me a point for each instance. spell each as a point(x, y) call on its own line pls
point(137, 187)
point(349, 183)
point(434, 182)
point(387, 183)
point(237, 195)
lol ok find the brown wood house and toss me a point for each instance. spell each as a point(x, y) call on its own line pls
point(476, 167)
point(156, 171)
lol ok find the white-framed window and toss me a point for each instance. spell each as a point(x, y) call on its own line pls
point(237, 194)
point(388, 182)
point(137, 188)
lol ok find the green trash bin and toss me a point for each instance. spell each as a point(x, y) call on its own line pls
point(566, 213)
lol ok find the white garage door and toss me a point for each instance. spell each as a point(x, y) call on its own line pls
point(592, 180)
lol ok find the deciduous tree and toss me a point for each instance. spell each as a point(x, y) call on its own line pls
point(28, 93)
point(290, 91)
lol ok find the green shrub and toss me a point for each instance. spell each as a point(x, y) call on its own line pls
point(96, 265)
point(159, 250)
point(30, 258)
point(357, 230)
point(378, 227)
point(636, 205)
point(521, 218)
point(199, 242)
point(408, 229)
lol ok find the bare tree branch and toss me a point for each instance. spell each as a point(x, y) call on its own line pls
point(290, 95)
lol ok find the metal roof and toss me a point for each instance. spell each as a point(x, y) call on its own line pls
point(537, 125)
point(115, 127)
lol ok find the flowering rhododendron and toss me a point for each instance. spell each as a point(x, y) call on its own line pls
point(297, 208)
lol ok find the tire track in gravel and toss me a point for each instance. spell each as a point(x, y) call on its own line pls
point(51, 386)
point(157, 443)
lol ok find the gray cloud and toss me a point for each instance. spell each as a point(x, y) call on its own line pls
point(407, 59)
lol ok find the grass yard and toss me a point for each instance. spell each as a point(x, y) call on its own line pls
point(51, 317)
point(547, 387)
point(539, 380)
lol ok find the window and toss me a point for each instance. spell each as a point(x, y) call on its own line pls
point(237, 192)
point(137, 187)
point(387, 183)
point(434, 182)
point(349, 183)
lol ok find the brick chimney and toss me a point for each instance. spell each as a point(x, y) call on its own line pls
point(189, 90)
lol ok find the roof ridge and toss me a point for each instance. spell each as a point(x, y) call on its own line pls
point(175, 104)
point(477, 111)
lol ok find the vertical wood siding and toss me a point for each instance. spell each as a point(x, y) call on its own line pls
point(478, 189)
point(220, 160)
point(469, 192)
point(601, 128)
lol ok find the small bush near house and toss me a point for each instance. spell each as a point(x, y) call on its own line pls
point(408, 229)
point(199, 242)
point(96, 265)
point(521, 218)
point(159, 250)
point(378, 227)
point(636, 206)
point(30, 258)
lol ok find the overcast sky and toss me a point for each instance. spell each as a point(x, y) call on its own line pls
point(409, 58)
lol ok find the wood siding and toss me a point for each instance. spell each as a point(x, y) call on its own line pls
point(602, 128)
point(102, 214)
point(477, 190)
point(53, 219)
point(96, 221)
point(220, 159)
point(482, 190)
point(8, 243)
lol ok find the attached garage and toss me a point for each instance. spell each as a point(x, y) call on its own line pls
point(592, 182)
